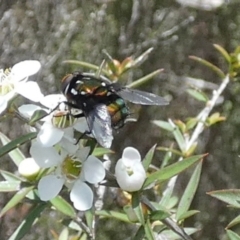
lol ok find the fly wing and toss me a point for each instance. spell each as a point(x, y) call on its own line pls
point(140, 97)
point(99, 122)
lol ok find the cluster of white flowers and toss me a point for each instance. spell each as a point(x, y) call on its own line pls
point(55, 148)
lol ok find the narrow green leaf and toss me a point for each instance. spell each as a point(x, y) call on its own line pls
point(37, 115)
point(16, 199)
point(224, 53)
point(63, 206)
point(164, 125)
point(232, 235)
point(27, 223)
point(170, 150)
point(148, 158)
point(85, 64)
point(113, 214)
point(169, 234)
point(234, 222)
point(64, 235)
point(98, 152)
point(172, 170)
point(6, 186)
point(188, 214)
point(144, 79)
point(159, 215)
point(179, 137)
point(198, 95)
point(189, 192)
point(143, 57)
point(230, 196)
point(10, 177)
point(148, 230)
point(216, 69)
point(16, 155)
point(139, 234)
point(89, 215)
point(137, 207)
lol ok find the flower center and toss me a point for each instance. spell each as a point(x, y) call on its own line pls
point(71, 168)
point(5, 84)
point(129, 170)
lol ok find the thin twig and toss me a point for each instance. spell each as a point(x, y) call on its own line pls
point(202, 117)
point(168, 221)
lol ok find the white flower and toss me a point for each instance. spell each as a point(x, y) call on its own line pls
point(72, 170)
point(28, 168)
point(129, 170)
point(59, 125)
point(14, 82)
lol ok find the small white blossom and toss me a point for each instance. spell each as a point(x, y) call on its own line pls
point(72, 170)
point(129, 170)
point(59, 125)
point(28, 168)
point(14, 81)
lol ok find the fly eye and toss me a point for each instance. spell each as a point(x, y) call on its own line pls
point(65, 82)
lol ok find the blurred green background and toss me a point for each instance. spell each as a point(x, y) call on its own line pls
point(52, 31)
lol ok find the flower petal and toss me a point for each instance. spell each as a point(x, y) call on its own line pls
point(49, 187)
point(45, 157)
point(28, 109)
point(82, 154)
point(82, 196)
point(29, 90)
point(131, 178)
point(93, 170)
point(28, 167)
point(51, 101)
point(24, 69)
point(49, 135)
point(3, 104)
point(130, 153)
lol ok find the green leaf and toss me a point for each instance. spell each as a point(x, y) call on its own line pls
point(37, 115)
point(159, 215)
point(89, 215)
point(64, 234)
point(232, 235)
point(230, 196)
point(11, 147)
point(139, 234)
point(16, 199)
point(188, 214)
point(143, 57)
point(113, 214)
point(223, 52)
point(148, 158)
point(137, 207)
point(172, 170)
point(6, 186)
point(189, 192)
point(63, 206)
point(164, 125)
point(144, 79)
point(86, 65)
point(234, 222)
point(98, 152)
point(27, 223)
point(169, 234)
point(200, 96)
point(216, 69)
point(10, 177)
point(148, 230)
